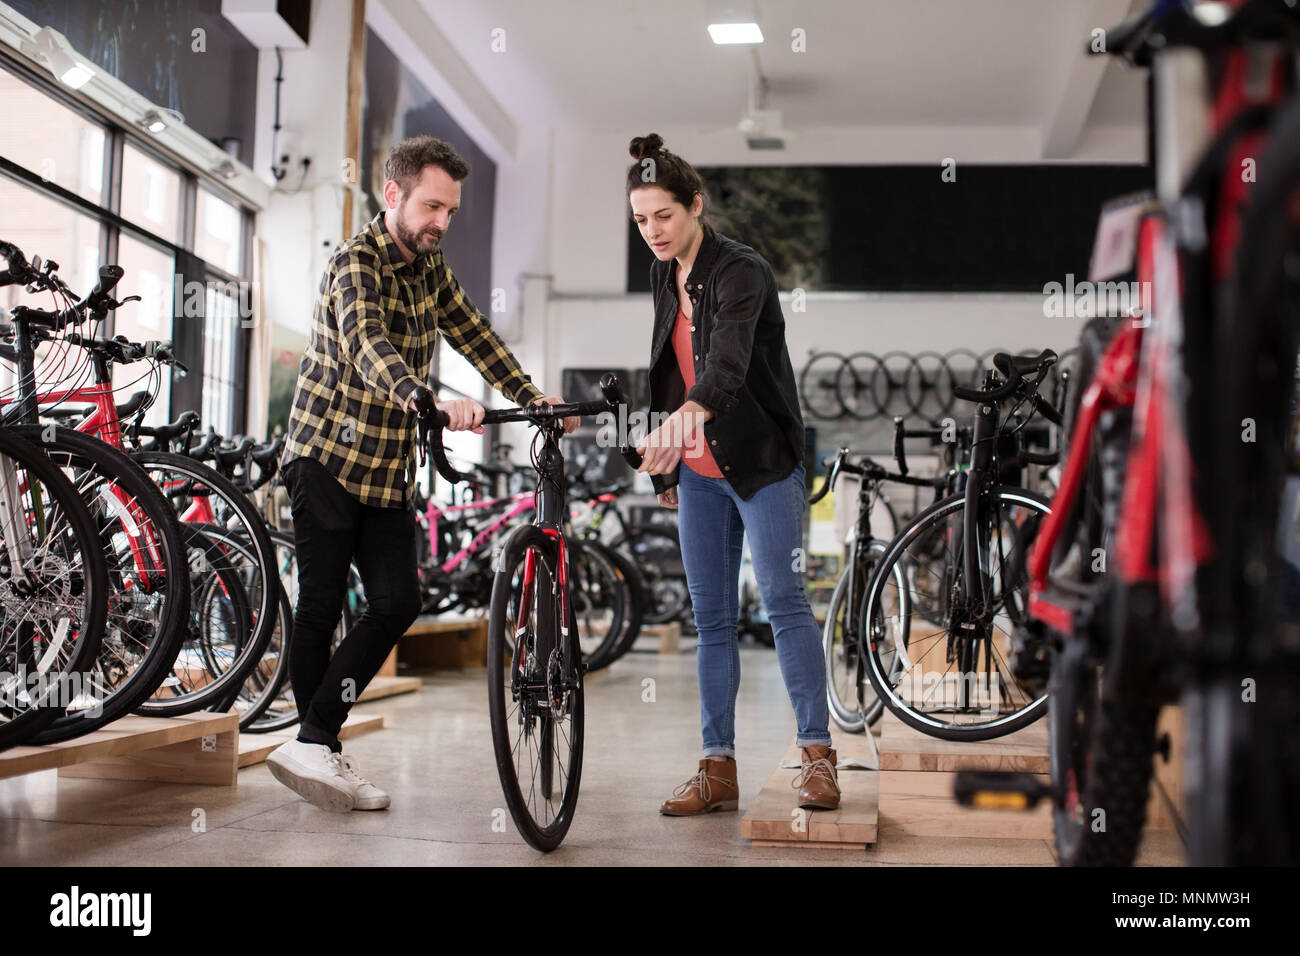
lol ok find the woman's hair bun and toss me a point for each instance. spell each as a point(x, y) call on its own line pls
point(643, 146)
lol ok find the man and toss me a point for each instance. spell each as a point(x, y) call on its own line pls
point(384, 298)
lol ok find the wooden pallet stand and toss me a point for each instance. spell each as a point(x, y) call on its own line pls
point(669, 638)
point(382, 687)
point(444, 642)
point(254, 748)
point(196, 748)
point(917, 773)
point(773, 819)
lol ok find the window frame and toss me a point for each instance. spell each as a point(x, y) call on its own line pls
point(112, 224)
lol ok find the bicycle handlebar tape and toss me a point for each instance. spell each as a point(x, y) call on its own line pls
point(430, 421)
point(900, 453)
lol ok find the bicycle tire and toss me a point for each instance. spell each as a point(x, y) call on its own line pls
point(547, 834)
point(259, 573)
point(595, 583)
point(856, 716)
point(636, 604)
point(282, 711)
point(96, 462)
point(1123, 746)
point(217, 597)
point(915, 530)
point(656, 551)
point(82, 551)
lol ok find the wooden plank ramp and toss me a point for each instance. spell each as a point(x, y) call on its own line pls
point(382, 687)
point(254, 748)
point(773, 818)
point(917, 773)
point(196, 748)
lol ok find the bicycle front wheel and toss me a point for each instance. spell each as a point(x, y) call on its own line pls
point(53, 591)
point(951, 678)
point(535, 690)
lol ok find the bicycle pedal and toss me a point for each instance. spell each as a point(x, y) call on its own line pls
point(998, 791)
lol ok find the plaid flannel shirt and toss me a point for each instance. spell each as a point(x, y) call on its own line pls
point(373, 334)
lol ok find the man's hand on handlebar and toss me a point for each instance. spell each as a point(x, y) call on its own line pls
point(571, 422)
point(464, 414)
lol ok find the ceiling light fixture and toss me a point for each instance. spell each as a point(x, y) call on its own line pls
point(735, 33)
point(155, 119)
point(57, 53)
point(733, 21)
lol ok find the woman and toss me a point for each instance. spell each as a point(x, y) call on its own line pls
point(729, 458)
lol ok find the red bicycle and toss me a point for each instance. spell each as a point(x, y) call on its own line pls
point(1166, 571)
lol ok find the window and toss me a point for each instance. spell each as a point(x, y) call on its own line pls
point(51, 140)
point(459, 379)
point(218, 232)
point(220, 333)
point(147, 272)
point(46, 227)
point(54, 145)
point(151, 193)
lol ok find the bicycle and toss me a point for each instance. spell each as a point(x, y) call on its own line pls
point(979, 583)
point(137, 532)
point(846, 630)
point(535, 665)
point(1197, 599)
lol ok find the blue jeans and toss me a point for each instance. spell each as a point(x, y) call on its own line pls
point(712, 520)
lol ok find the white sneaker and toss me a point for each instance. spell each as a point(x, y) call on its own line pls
point(367, 795)
point(315, 773)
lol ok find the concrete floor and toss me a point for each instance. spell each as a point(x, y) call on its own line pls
point(435, 759)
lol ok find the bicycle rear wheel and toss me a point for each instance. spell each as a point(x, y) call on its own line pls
point(535, 696)
point(853, 702)
point(53, 590)
point(656, 552)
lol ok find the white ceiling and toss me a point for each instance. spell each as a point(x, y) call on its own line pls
point(599, 64)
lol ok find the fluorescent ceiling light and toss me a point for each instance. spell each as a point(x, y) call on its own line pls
point(735, 33)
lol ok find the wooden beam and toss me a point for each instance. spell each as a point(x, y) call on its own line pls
point(356, 79)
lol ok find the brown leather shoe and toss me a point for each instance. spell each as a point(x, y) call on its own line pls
point(712, 788)
point(819, 787)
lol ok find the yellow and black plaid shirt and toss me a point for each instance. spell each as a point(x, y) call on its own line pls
point(373, 334)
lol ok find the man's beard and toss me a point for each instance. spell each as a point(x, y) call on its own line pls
point(416, 242)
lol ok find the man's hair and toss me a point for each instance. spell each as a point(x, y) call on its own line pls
point(408, 158)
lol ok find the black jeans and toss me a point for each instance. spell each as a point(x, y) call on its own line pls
point(331, 529)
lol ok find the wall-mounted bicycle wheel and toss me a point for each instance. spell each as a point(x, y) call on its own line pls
point(818, 386)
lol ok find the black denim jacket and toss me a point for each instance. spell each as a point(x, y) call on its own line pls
point(742, 368)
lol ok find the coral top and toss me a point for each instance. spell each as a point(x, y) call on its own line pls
point(695, 453)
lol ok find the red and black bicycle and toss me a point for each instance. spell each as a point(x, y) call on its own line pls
point(535, 663)
point(1167, 570)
